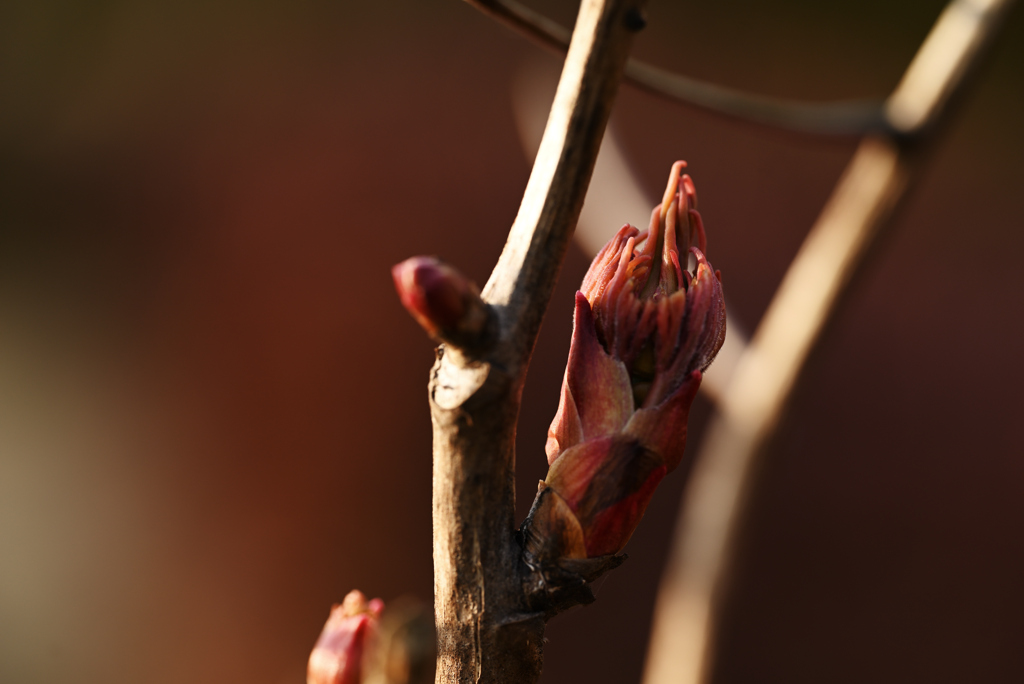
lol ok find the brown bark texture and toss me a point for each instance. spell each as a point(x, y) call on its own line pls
point(489, 613)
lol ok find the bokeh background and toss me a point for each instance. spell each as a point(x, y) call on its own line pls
point(213, 417)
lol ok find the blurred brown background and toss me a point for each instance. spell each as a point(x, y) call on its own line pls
point(213, 416)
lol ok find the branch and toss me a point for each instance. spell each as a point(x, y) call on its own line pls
point(526, 272)
point(844, 118)
point(831, 257)
point(486, 630)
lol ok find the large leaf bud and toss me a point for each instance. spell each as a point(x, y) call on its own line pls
point(647, 324)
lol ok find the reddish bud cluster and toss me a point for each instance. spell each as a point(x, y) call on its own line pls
point(645, 328)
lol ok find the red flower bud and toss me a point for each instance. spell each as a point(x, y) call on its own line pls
point(337, 657)
point(443, 301)
point(645, 327)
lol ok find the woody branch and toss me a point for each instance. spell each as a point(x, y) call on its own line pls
point(486, 630)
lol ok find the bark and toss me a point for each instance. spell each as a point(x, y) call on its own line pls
point(489, 612)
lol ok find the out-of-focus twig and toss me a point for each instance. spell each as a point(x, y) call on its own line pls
point(844, 118)
point(485, 630)
point(749, 413)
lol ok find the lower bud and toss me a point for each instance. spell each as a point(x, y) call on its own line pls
point(351, 627)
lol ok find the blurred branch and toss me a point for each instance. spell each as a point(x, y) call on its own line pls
point(486, 630)
point(861, 207)
point(844, 118)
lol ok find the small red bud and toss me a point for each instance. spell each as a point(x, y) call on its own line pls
point(443, 301)
point(337, 657)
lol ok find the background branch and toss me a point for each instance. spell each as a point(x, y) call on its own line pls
point(843, 118)
point(831, 257)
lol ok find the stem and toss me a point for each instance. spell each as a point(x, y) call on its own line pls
point(832, 256)
point(486, 633)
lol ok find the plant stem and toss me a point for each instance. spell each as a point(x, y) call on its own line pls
point(485, 631)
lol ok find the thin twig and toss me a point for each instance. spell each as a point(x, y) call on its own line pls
point(843, 118)
point(859, 210)
point(485, 630)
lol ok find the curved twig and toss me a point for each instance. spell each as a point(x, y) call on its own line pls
point(855, 216)
point(842, 118)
